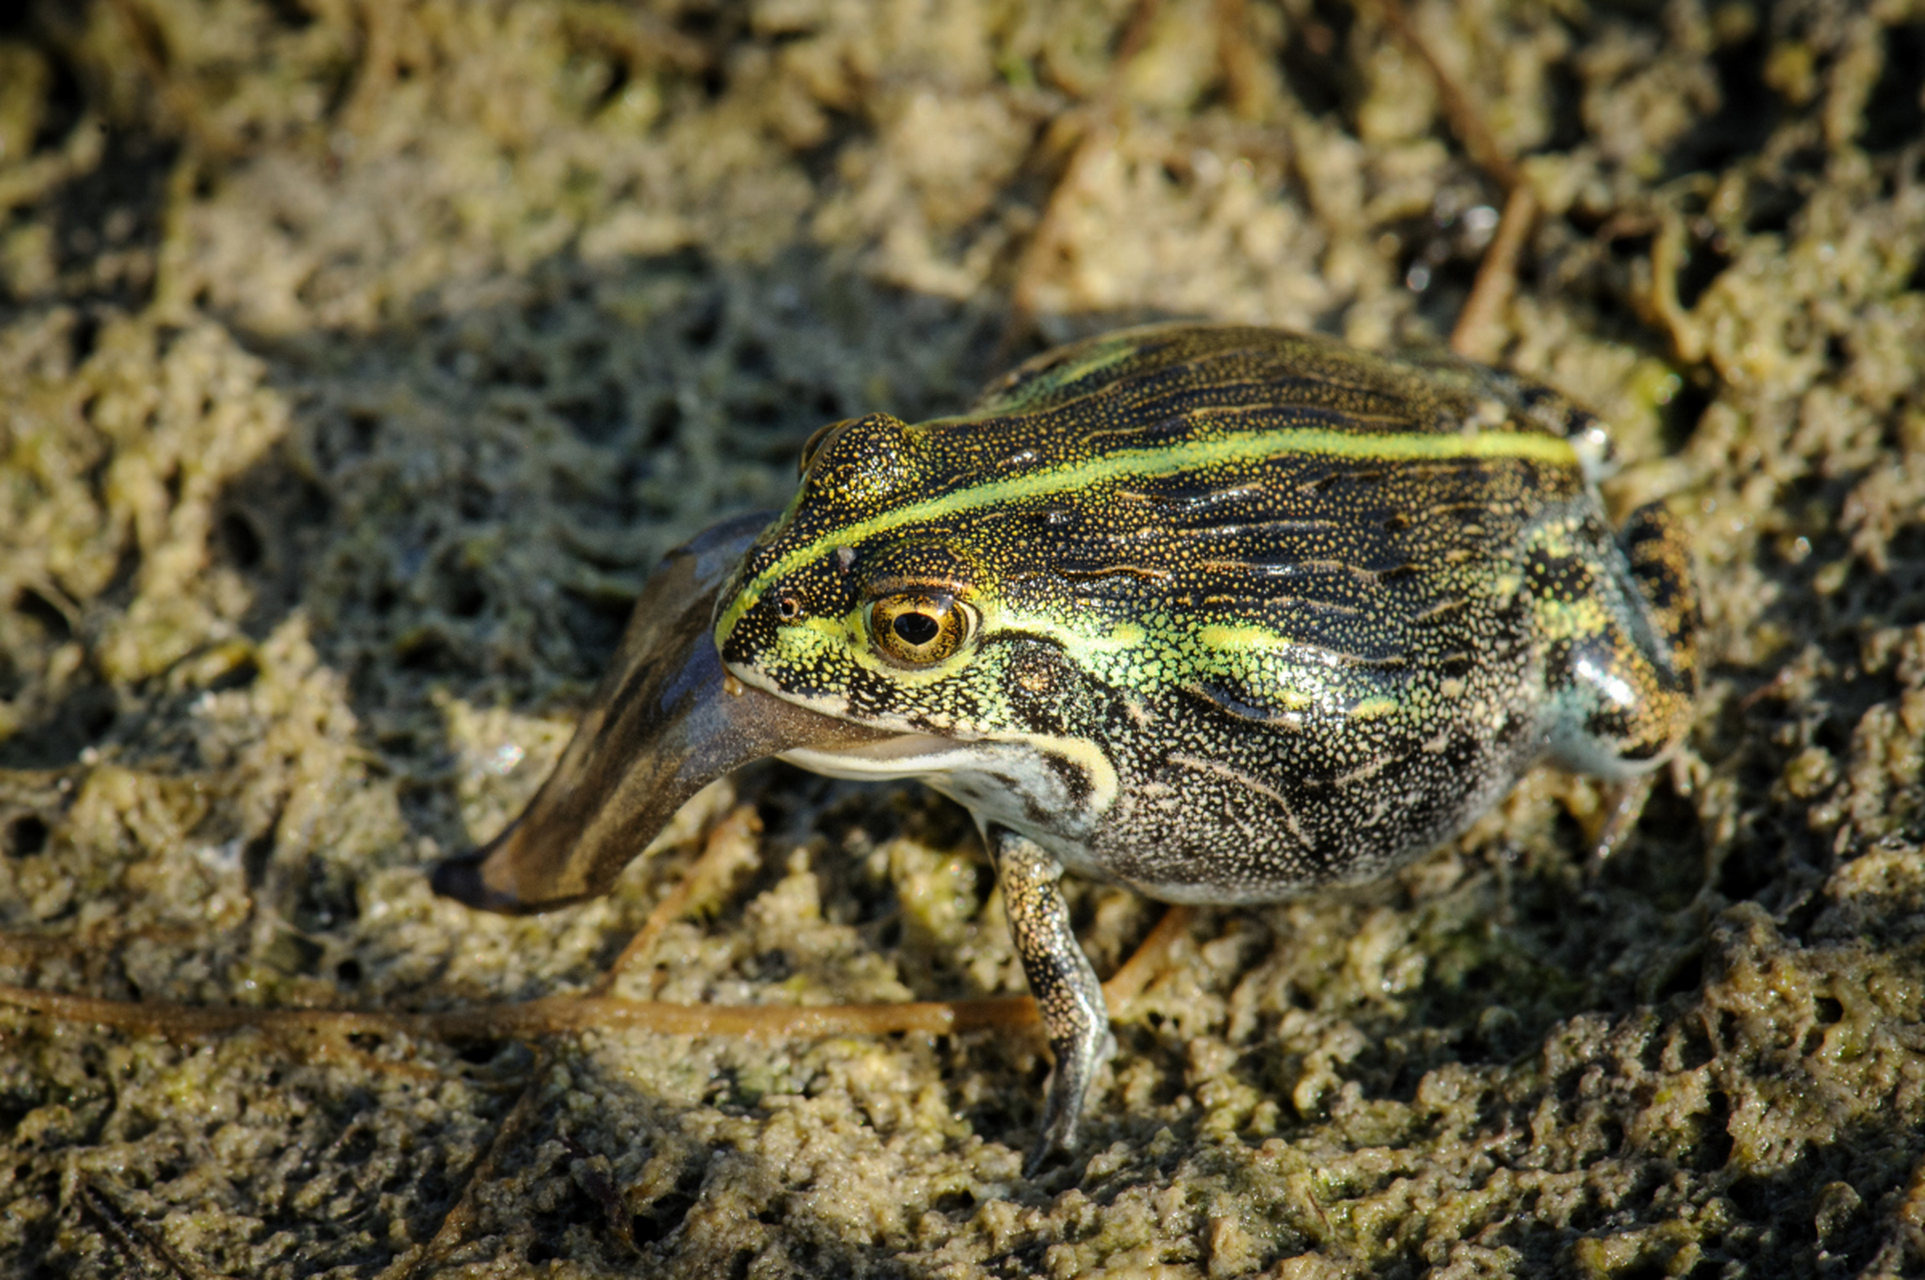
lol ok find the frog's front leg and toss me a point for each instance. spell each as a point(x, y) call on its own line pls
point(1658, 548)
point(1622, 622)
point(1064, 985)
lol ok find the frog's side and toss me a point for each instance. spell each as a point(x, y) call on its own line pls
point(1219, 613)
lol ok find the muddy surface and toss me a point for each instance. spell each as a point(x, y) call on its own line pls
point(357, 360)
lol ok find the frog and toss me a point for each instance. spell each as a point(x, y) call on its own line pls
point(1222, 613)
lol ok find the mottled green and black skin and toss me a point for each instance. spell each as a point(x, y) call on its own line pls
point(1243, 613)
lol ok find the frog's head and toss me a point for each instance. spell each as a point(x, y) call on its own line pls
point(899, 592)
point(861, 602)
point(882, 626)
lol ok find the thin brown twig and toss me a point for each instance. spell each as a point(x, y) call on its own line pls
point(1046, 240)
point(134, 1237)
point(1128, 982)
point(551, 1015)
point(460, 1216)
point(1461, 111)
point(543, 1016)
point(527, 1021)
point(89, 942)
point(1135, 36)
point(1478, 334)
point(1237, 59)
point(376, 66)
point(741, 824)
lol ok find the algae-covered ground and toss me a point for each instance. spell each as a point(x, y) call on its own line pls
point(357, 360)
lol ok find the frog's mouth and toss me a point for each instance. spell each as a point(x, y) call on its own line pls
point(664, 723)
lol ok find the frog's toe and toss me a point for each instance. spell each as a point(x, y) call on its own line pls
point(1624, 806)
point(1076, 1068)
point(1048, 1143)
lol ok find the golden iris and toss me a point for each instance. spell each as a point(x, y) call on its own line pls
point(920, 628)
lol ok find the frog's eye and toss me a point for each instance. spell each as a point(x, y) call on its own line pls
point(920, 628)
point(813, 446)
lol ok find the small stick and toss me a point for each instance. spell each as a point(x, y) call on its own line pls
point(1237, 59)
point(460, 1216)
point(545, 1015)
point(375, 69)
point(1047, 238)
point(741, 824)
point(1046, 241)
point(136, 1240)
point(1479, 333)
point(1461, 111)
point(1128, 982)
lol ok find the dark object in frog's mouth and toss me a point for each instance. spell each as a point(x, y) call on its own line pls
point(664, 723)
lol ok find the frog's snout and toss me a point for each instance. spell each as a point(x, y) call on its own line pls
point(664, 723)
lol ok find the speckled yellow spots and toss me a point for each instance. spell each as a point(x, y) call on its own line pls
point(1227, 451)
point(1232, 639)
point(1577, 619)
point(810, 640)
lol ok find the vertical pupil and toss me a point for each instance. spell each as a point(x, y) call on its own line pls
point(915, 628)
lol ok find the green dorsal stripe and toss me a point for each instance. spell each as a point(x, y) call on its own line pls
point(1144, 464)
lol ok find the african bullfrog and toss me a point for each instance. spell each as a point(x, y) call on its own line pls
point(1219, 613)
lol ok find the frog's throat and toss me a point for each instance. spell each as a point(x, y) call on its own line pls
point(1009, 778)
point(1229, 450)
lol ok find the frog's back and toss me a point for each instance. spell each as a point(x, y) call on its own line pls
point(1298, 571)
point(1301, 377)
point(1259, 505)
point(1264, 577)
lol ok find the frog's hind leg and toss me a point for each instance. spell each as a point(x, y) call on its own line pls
point(1624, 653)
point(1654, 543)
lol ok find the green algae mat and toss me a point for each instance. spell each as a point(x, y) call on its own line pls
point(357, 361)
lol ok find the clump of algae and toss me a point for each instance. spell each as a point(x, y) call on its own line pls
point(359, 360)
